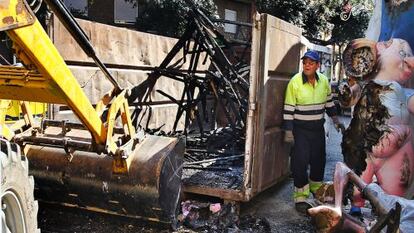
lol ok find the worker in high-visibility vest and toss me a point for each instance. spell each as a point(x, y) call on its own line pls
point(308, 96)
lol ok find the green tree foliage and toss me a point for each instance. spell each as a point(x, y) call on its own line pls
point(321, 19)
point(290, 11)
point(168, 17)
point(345, 31)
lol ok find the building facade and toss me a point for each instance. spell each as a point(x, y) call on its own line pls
point(113, 12)
point(125, 12)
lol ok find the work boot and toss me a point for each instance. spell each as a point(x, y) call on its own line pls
point(315, 185)
point(325, 193)
point(302, 207)
point(301, 197)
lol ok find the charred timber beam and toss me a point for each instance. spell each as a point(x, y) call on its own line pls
point(137, 91)
point(217, 53)
point(233, 22)
point(210, 168)
point(228, 158)
point(204, 151)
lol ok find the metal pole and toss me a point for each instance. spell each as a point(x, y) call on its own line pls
point(79, 35)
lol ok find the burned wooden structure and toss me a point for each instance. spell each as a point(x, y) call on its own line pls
point(220, 91)
point(225, 81)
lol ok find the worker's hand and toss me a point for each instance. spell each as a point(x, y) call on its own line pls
point(344, 94)
point(289, 137)
point(344, 88)
point(339, 126)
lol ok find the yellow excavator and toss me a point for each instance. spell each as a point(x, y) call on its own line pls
point(102, 163)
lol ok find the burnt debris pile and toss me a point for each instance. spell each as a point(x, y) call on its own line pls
point(218, 217)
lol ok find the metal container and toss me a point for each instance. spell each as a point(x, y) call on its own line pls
point(275, 56)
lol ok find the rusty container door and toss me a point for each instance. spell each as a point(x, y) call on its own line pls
point(275, 58)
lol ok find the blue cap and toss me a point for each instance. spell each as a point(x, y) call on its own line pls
point(313, 55)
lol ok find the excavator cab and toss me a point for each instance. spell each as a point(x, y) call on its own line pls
point(101, 163)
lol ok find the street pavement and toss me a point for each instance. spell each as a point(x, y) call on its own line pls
point(276, 204)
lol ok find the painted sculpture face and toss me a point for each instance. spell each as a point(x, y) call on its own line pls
point(393, 60)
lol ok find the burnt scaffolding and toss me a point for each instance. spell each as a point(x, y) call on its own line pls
point(214, 101)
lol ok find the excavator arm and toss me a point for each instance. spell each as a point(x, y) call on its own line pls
point(48, 77)
point(117, 170)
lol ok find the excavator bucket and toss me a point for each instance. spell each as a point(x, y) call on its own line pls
point(150, 190)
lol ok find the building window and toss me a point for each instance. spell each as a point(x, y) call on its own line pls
point(79, 8)
point(125, 12)
point(231, 16)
